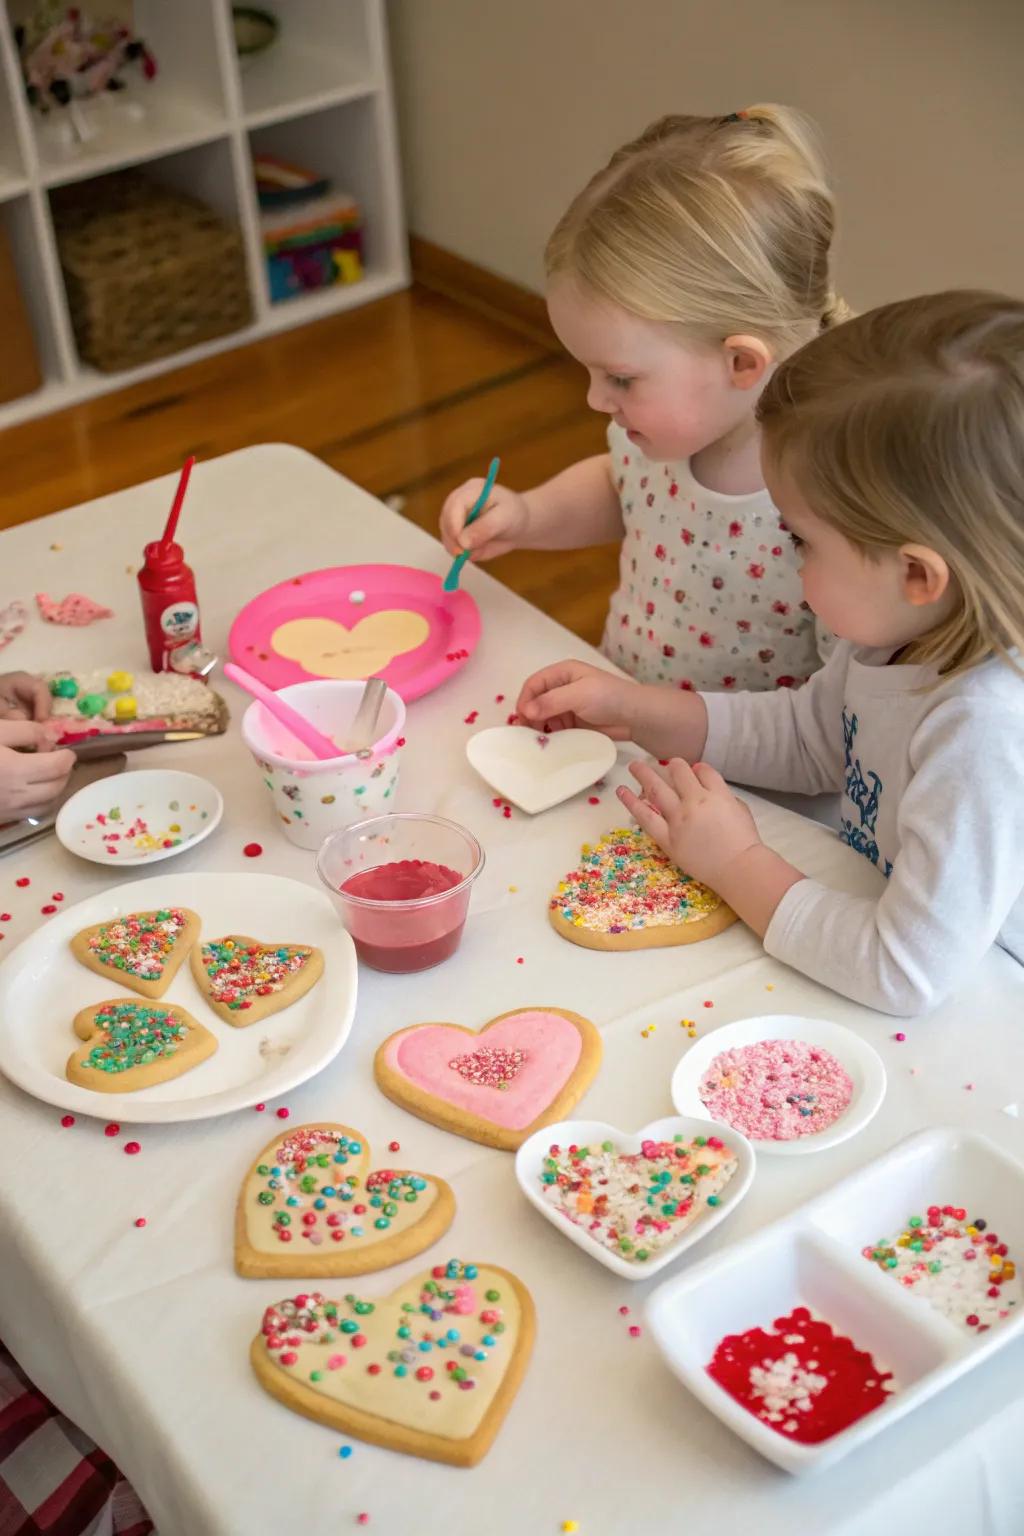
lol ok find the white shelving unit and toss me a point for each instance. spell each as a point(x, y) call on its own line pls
point(321, 96)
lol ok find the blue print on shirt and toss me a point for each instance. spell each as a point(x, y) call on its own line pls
point(865, 793)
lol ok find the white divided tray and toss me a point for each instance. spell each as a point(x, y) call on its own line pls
point(530, 1165)
point(814, 1259)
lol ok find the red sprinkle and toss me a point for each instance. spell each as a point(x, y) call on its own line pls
point(623, 1311)
point(21, 884)
point(363, 1519)
point(400, 742)
point(507, 812)
point(499, 698)
point(47, 910)
point(140, 1221)
point(131, 1147)
point(259, 1108)
point(5, 917)
point(282, 1113)
point(67, 1120)
point(519, 960)
point(393, 1146)
point(252, 850)
point(57, 896)
point(113, 1129)
point(635, 1330)
point(709, 1005)
point(593, 800)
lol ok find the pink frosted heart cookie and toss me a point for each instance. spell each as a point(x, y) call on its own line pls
point(497, 1085)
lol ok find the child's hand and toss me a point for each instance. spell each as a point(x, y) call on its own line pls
point(23, 697)
point(572, 693)
point(499, 527)
point(32, 777)
point(694, 817)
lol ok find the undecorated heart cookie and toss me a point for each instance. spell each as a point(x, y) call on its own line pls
point(635, 1201)
point(627, 894)
point(310, 1206)
point(244, 981)
point(430, 1370)
point(535, 771)
point(131, 1044)
point(497, 1085)
point(141, 950)
point(325, 648)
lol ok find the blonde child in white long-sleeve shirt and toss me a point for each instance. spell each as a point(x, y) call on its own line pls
point(894, 447)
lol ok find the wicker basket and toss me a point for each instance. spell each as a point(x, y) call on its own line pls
point(148, 270)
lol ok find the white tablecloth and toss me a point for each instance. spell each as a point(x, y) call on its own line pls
point(142, 1335)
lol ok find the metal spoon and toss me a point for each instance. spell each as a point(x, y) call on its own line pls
point(362, 732)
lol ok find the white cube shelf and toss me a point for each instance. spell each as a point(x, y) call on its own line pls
point(320, 96)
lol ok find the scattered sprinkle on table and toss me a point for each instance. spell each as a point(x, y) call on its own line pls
point(252, 850)
point(48, 910)
point(570, 1525)
point(140, 1221)
point(593, 799)
point(899, 1035)
point(344, 1451)
point(113, 1129)
point(259, 1108)
point(394, 1146)
point(21, 884)
point(636, 1203)
point(958, 1266)
point(776, 1090)
point(131, 1147)
point(799, 1377)
point(635, 1330)
point(282, 1113)
point(5, 917)
point(67, 1120)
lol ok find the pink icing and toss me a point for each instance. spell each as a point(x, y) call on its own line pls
point(552, 1047)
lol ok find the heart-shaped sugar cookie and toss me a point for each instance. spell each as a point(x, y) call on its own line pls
point(430, 1370)
point(497, 1085)
point(309, 1206)
point(535, 771)
point(141, 950)
point(325, 648)
point(132, 1044)
point(627, 894)
point(244, 981)
point(635, 1202)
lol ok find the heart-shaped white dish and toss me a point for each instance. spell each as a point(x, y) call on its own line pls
point(534, 1159)
point(535, 771)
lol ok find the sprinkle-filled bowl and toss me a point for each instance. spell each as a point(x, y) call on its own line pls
point(588, 1187)
point(140, 817)
point(779, 1077)
point(401, 885)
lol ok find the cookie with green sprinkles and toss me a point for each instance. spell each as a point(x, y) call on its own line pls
point(131, 1044)
point(244, 980)
point(139, 950)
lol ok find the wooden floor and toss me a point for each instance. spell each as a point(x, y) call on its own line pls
point(408, 397)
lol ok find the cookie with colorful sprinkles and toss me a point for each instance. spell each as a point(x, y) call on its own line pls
point(245, 981)
point(626, 894)
point(132, 1044)
point(140, 950)
point(430, 1370)
point(311, 1207)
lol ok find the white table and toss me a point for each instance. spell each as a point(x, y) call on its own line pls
point(142, 1335)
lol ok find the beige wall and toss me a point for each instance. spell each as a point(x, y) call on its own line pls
point(507, 106)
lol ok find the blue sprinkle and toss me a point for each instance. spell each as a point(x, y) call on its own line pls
point(345, 1452)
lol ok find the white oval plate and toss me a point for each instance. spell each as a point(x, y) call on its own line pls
point(42, 987)
point(861, 1061)
point(530, 1162)
point(147, 804)
point(535, 771)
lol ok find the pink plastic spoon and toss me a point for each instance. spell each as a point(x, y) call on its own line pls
point(321, 746)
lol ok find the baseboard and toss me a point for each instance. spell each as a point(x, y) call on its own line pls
point(444, 272)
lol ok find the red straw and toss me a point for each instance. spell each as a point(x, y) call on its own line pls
point(179, 497)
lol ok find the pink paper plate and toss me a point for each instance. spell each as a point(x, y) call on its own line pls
point(357, 621)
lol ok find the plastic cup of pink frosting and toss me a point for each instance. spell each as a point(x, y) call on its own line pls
point(401, 885)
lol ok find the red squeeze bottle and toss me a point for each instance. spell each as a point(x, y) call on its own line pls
point(169, 607)
point(168, 591)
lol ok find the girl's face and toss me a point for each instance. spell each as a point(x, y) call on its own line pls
point(883, 600)
point(672, 399)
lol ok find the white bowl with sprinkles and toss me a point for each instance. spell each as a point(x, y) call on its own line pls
point(635, 1201)
point(140, 817)
point(789, 1084)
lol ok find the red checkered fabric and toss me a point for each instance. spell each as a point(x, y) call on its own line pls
point(54, 1481)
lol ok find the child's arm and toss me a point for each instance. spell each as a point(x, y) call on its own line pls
point(958, 875)
point(578, 507)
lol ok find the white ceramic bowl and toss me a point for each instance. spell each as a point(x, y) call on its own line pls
point(535, 771)
point(530, 1163)
point(861, 1061)
point(147, 815)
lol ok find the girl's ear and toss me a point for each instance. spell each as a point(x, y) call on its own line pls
point(925, 575)
point(749, 361)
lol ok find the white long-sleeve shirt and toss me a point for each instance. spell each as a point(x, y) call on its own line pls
point(932, 792)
